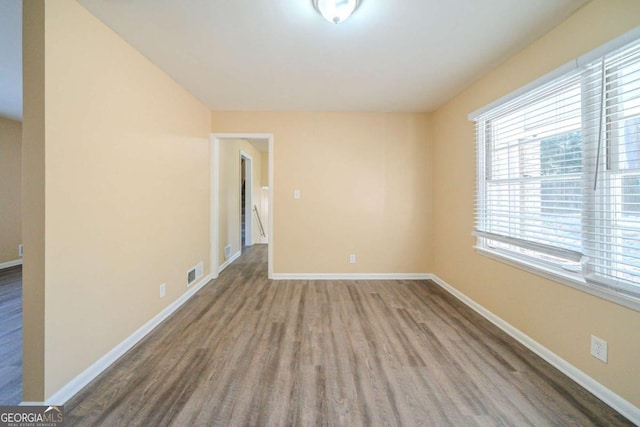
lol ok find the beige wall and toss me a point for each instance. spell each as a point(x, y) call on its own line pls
point(229, 193)
point(365, 182)
point(10, 189)
point(560, 318)
point(127, 191)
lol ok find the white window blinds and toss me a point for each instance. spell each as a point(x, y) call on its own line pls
point(559, 174)
point(612, 157)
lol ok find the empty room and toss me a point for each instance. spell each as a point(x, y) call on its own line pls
point(320, 212)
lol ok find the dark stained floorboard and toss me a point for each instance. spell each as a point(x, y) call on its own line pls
point(249, 351)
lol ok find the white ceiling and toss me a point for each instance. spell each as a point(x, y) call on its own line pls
point(391, 55)
point(410, 55)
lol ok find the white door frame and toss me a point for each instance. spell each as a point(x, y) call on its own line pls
point(248, 199)
point(214, 214)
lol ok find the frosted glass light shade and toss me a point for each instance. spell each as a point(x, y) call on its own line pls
point(336, 11)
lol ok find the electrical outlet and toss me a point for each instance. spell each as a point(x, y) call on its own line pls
point(163, 290)
point(599, 348)
point(352, 259)
point(20, 250)
point(296, 194)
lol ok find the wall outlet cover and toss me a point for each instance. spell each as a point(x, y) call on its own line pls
point(163, 290)
point(599, 348)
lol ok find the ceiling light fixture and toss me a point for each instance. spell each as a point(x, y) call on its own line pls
point(336, 11)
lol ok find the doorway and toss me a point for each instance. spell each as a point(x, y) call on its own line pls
point(258, 197)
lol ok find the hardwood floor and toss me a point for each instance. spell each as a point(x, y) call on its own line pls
point(11, 336)
point(249, 351)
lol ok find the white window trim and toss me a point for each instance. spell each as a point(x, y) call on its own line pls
point(570, 66)
point(574, 281)
point(556, 274)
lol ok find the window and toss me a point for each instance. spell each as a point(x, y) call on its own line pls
point(559, 177)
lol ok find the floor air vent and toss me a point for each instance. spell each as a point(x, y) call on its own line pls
point(191, 276)
point(195, 273)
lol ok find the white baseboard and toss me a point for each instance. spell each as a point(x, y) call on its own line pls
point(617, 402)
point(352, 276)
point(75, 385)
point(9, 264)
point(229, 261)
point(612, 399)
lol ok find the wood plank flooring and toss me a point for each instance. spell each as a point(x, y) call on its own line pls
point(246, 351)
point(11, 336)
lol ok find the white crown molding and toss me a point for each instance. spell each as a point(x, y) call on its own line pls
point(611, 398)
point(75, 385)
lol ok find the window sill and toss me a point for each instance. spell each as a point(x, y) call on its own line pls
point(561, 277)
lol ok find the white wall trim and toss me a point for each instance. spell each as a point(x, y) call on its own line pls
point(270, 232)
point(229, 261)
point(10, 264)
point(612, 399)
point(75, 385)
point(352, 276)
point(214, 205)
